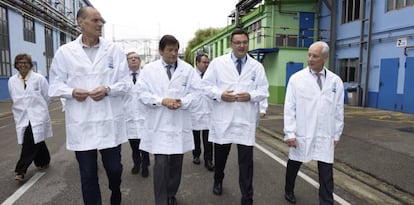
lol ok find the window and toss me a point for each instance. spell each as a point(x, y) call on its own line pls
point(292, 40)
point(5, 69)
point(398, 4)
point(62, 38)
point(49, 48)
point(29, 29)
point(350, 10)
point(259, 36)
point(348, 69)
point(280, 40)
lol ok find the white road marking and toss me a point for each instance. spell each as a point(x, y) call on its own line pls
point(301, 174)
point(13, 198)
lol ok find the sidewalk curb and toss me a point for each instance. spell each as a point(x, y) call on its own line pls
point(349, 178)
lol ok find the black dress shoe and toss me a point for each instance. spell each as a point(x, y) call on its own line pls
point(209, 165)
point(196, 160)
point(290, 197)
point(135, 170)
point(145, 172)
point(172, 200)
point(218, 188)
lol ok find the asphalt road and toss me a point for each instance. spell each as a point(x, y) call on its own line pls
point(60, 184)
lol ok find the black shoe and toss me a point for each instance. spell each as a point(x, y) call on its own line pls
point(172, 200)
point(209, 165)
point(116, 198)
point(218, 188)
point(196, 160)
point(290, 197)
point(145, 172)
point(135, 170)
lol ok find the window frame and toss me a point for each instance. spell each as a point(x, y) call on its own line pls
point(29, 29)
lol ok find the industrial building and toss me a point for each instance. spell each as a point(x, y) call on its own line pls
point(36, 27)
point(371, 45)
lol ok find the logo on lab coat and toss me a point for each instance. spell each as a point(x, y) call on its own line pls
point(110, 62)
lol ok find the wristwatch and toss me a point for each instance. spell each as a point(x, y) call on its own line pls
point(108, 89)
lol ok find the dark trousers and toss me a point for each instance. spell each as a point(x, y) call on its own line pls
point(88, 167)
point(245, 155)
point(208, 146)
point(140, 157)
point(31, 152)
point(167, 176)
point(325, 171)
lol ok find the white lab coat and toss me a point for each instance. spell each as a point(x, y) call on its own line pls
point(91, 124)
point(263, 106)
point(234, 122)
point(167, 131)
point(31, 104)
point(201, 110)
point(134, 112)
point(314, 117)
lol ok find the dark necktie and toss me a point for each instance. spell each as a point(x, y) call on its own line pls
point(24, 81)
point(134, 77)
point(201, 75)
point(169, 71)
point(319, 81)
point(239, 65)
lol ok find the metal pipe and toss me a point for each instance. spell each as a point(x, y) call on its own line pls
point(365, 96)
point(332, 37)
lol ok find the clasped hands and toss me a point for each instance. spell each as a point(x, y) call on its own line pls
point(293, 143)
point(171, 103)
point(229, 96)
point(96, 94)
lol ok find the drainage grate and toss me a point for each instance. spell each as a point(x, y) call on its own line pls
point(406, 129)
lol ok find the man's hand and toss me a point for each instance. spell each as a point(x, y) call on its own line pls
point(171, 103)
point(98, 93)
point(80, 94)
point(292, 142)
point(243, 97)
point(228, 96)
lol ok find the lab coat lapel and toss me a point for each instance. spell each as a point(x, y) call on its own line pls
point(101, 52)
point(79, 53)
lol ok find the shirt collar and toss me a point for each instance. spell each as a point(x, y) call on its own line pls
point(86, 46)
point(323, 72)
point(164, 64)
point(26, 77)
point(234, 58)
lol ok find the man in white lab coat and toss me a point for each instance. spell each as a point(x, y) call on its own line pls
point(135, 112)
point(237, 83)
point(313, 121)
point(28, 91)
point(200, 118)
point(92, 75)
point(166, 88)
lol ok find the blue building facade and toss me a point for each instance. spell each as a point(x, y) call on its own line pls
point(373, 43)
point(37, 28)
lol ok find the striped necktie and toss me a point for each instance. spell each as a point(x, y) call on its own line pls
point(239, 65)
point(319, 81)
point(134, 77)
point(169, 71)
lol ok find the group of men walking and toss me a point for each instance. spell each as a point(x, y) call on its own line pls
point(178, 107)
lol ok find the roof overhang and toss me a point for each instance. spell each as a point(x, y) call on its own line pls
point(260, 52)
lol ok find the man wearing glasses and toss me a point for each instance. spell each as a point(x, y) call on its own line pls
point(237, 83)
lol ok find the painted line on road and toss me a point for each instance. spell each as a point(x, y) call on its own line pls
point(301, 174)
point(26, 186)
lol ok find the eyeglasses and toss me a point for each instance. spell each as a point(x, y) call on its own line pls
point(133, 57)
point(239, 43)
point(23, 63)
